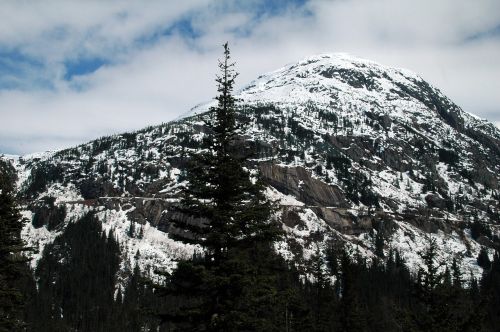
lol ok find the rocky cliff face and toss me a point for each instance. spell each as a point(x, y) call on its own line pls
point(350, 149)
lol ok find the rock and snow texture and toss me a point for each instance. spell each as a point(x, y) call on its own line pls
point(349, 148)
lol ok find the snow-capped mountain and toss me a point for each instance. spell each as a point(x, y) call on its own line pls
point(350, 149)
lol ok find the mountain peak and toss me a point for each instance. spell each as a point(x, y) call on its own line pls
point(340, 59)
point(325, 79)
point(344, 61)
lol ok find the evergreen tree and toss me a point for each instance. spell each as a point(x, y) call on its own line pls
point(444, 305)
point(131, 229)
point(379, 244)
point(12, 262)
point(456, 274)
point(320, 289)
point(430, 276)
point(132, 297)
point(483, 260)
point(490, 294)
point(352, 311)
point(232, 286)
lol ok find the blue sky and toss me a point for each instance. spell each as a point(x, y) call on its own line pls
point(71, 71)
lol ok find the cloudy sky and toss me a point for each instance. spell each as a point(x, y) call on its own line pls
point(71, 71)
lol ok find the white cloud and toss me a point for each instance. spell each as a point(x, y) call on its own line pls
point(152, 83)
point(151, 88)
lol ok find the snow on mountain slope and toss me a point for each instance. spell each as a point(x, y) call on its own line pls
point(352, 86)
point(352, 149)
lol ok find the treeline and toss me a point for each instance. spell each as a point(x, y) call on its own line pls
point(76, 291)
point(344, 292)
point(76, 285)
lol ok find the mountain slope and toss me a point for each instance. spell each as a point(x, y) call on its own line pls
point(351, 150)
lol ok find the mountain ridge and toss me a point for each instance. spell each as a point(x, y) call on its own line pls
point(360, 149)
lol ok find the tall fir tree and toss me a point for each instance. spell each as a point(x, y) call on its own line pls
point(232, 285)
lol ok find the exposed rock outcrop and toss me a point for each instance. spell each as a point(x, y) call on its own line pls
point(297, 181)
